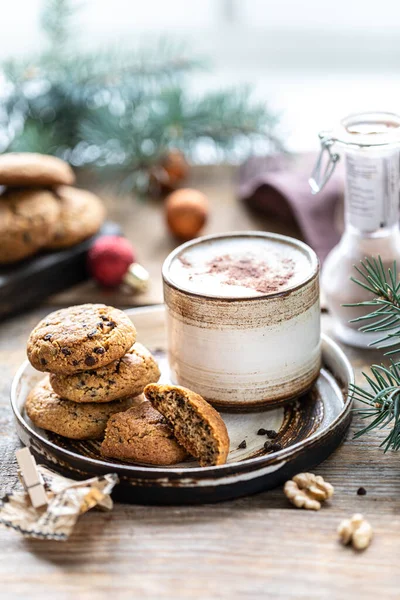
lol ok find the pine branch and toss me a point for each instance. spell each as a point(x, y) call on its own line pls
point(382, 399)
point(147, 126)
point(382, 403)
point(385, 306)
point(36, 137)
point(151, 66)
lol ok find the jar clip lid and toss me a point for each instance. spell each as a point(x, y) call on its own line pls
point(320, 175)
point(361, 130)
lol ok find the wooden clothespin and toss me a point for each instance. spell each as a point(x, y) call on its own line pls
point(31, 478)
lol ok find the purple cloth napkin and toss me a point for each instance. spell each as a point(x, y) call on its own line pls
point(275, 186)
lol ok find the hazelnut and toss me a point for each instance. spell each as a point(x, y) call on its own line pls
point(186, 213)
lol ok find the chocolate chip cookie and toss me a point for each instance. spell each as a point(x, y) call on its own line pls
point(141, 434)
point(19, 169)
point(197, 426)
point(27, 222)
point(81, 216)
point(76, 421)
point(127, 376)
point(80, 338)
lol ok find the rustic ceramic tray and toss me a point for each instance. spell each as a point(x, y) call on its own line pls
point(309, 429)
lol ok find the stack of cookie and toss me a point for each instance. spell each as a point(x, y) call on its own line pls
point(94, 370)
point(96, 373)
point(39, 209)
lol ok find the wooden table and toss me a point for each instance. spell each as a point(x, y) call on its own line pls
point(255, 547)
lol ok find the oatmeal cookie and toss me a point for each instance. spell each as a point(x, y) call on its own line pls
point(76, 421)
point(81, 216)
point(127, 376)
point(28, 169)
point(27, 222)
point(195, 423)
point(80, 338)
point(141, 434)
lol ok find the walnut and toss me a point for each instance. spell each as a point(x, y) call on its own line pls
point(307, 490)
point(356, 531)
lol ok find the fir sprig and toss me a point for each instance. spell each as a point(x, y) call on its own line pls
point(382, 403)
point(128, 141)
point(385, 306)
point(382, 398)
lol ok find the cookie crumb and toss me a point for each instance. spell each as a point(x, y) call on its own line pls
point(242, 445)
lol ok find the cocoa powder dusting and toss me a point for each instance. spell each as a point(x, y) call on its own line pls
point(252, 273)
point(185, 262)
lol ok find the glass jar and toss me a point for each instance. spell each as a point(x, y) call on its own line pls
point(370, 143)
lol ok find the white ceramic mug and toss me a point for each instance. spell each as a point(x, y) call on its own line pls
point(241, 351)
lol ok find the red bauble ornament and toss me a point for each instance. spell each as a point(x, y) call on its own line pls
point(112, 261)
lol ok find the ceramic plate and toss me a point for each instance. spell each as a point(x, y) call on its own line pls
point(309, 429)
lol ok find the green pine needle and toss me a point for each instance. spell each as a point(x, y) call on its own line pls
point(382, 403)
point(382, 399)
point(385, 305)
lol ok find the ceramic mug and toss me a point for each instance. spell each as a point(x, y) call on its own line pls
point(238, 351)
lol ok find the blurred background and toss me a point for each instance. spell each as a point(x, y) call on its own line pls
point(312, 62)
point(224, 97)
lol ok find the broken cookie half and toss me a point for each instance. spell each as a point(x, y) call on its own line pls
point(197, 426)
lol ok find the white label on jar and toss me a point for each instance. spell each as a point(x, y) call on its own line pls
point(372, 190)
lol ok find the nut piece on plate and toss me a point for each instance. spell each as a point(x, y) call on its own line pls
point(30, 169)
point(141, 434)
point(197, 426)
point(307, 490)
point(356, 531)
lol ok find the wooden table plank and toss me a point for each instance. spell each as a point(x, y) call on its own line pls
point(255, 547)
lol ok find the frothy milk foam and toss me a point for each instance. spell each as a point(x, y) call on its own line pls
point(240, 267)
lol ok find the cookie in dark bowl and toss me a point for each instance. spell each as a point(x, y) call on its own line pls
point(81, 216)
point(29, 169)
point(28, 221)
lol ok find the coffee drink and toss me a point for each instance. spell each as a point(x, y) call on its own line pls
point(243, 318)
point(240, 267)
